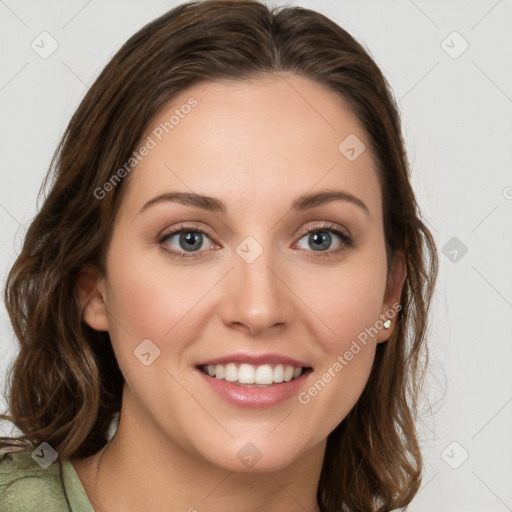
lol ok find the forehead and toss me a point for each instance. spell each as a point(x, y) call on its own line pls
point(269, 139)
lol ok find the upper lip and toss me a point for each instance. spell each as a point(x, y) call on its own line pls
point(256, 360)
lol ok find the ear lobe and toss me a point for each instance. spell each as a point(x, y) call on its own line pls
point(392, 295)
point(90, 286)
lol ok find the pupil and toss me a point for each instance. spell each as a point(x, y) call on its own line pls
point(322, 237)
point(191, 239)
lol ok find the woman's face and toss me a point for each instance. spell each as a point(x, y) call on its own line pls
point(256, 281)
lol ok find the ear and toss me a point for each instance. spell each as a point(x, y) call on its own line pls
point(394, 285)
point(90, 284)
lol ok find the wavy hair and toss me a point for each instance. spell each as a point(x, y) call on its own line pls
point(65, 386)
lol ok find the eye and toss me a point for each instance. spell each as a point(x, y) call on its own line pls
point(320, 239)
point(188, 239)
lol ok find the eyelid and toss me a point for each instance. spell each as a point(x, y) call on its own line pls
point(325, 226)
point(182, 226)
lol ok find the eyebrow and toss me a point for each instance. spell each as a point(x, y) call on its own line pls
point(303, 202)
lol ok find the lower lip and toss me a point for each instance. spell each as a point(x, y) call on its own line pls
point(257, 398)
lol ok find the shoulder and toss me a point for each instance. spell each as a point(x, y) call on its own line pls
point(25, 486)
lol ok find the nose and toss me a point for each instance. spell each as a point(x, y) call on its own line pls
point(256, 296)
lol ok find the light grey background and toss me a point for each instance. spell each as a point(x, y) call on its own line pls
point(457, 119)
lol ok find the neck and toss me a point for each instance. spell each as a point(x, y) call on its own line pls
point(143, 469)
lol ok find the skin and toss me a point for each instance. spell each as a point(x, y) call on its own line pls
point(255, 145)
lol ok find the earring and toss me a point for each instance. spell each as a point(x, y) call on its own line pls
point(387, 324)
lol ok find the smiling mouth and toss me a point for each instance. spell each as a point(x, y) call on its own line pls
point(254, 376)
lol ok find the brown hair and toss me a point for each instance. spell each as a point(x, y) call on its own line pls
point(65, 384)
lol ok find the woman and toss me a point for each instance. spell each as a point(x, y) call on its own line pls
point(230, 255)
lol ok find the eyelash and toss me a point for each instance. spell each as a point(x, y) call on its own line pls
point(346, 240)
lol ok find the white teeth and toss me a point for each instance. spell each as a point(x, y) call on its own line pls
point(279, 373)
point(231, 374)
point(264, 375)
point(248, 374)
point(288, 373)
point(219, 371)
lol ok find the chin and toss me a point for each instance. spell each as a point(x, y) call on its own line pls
point(258, 456)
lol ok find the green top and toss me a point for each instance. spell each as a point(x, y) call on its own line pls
point(25, 486)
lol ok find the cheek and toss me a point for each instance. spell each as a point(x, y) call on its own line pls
point(346, 307)
point(150, 298)
point(141, 304)
point(145, 302)
point(347, 348)
point(344, 304)
point(337, 388)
